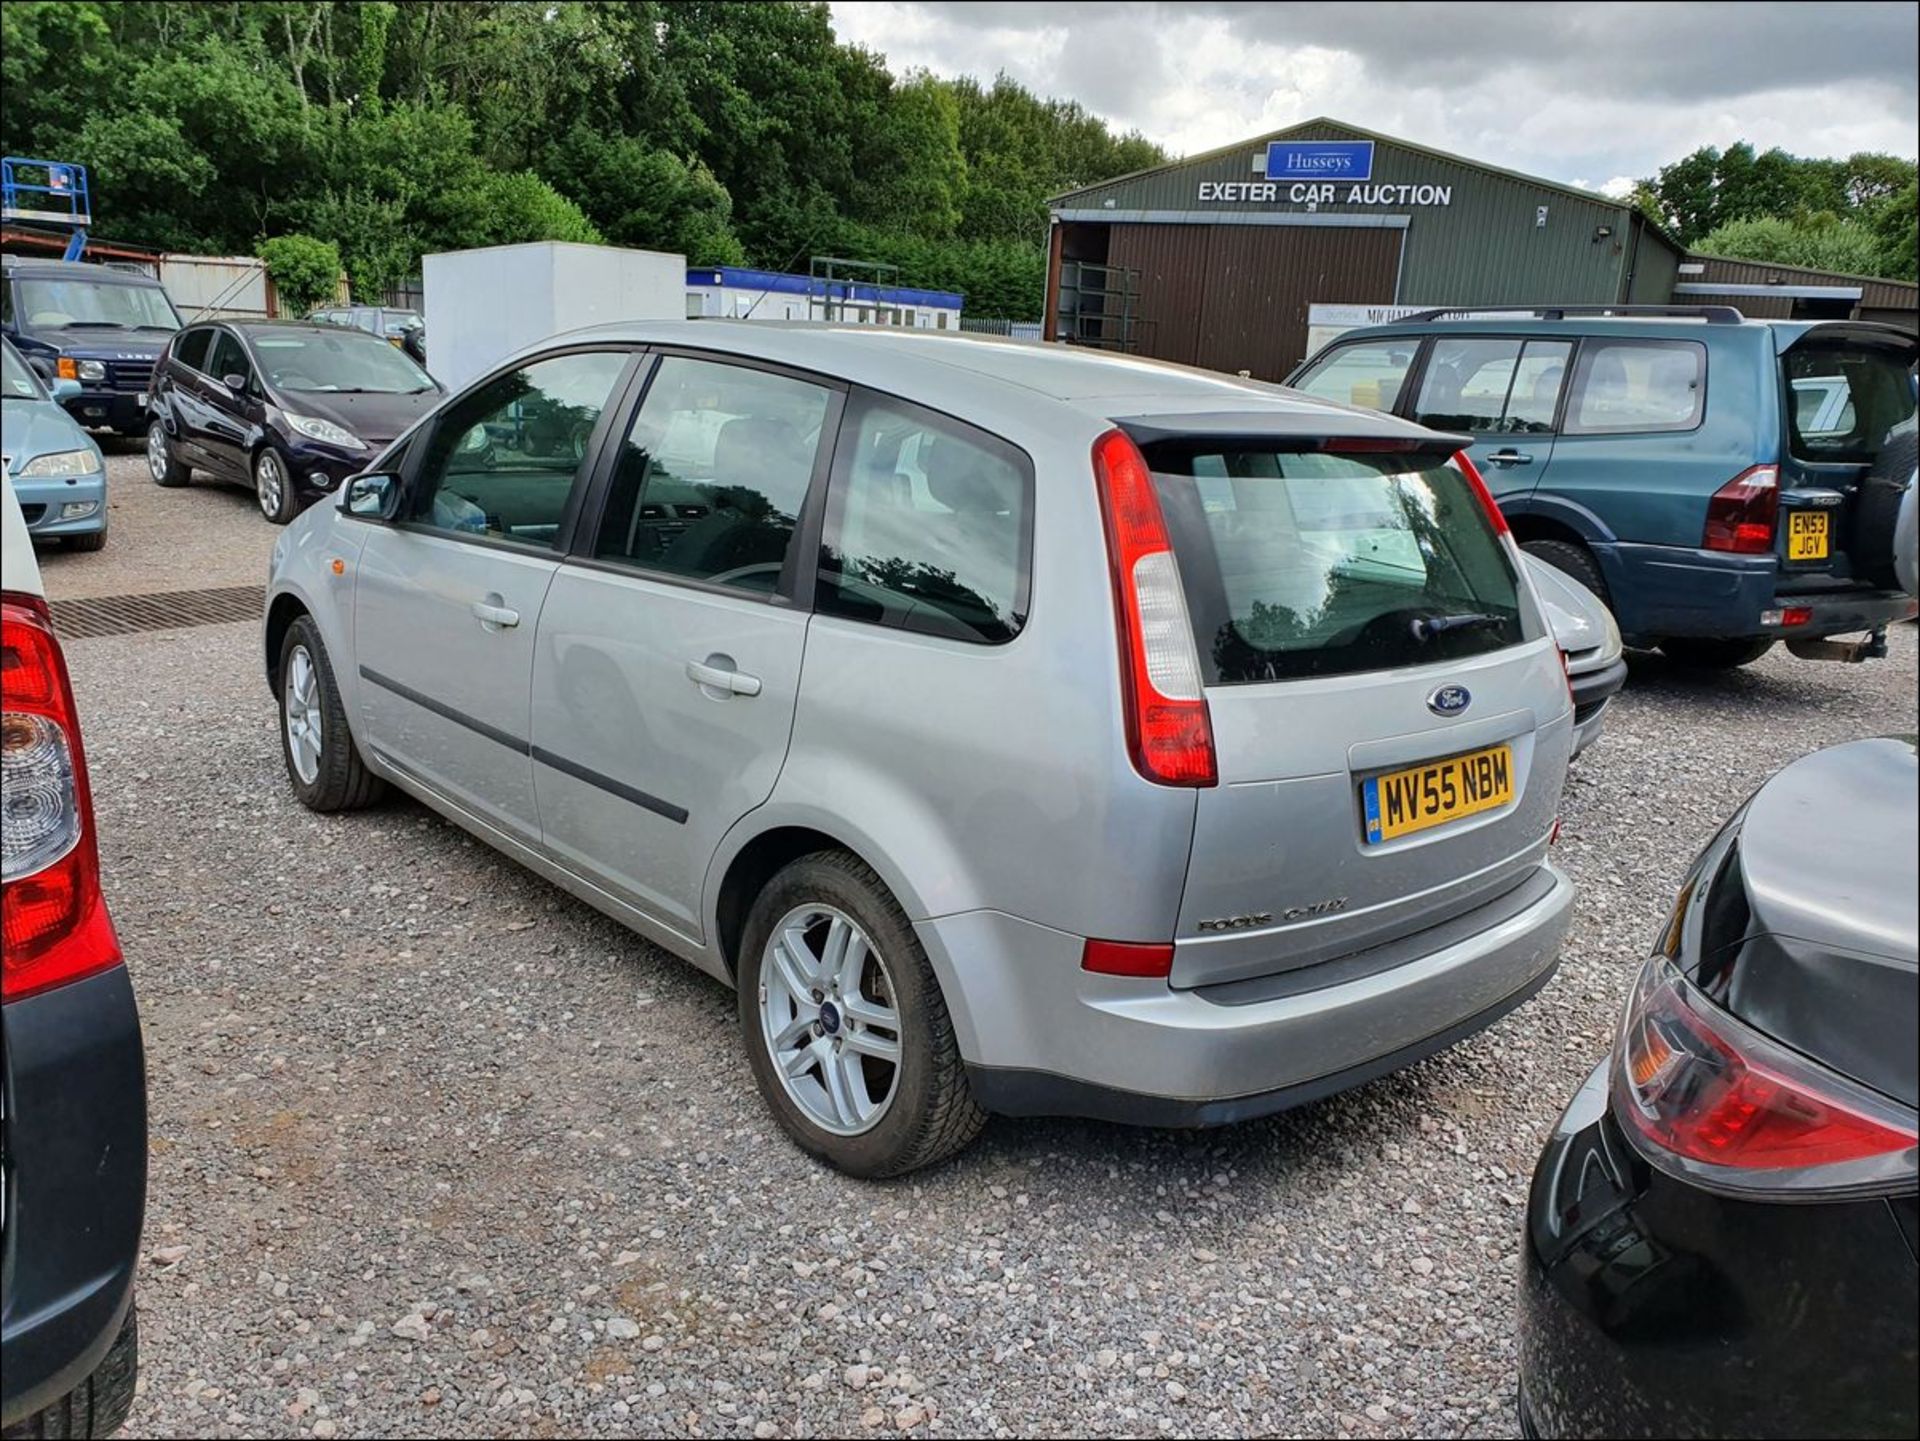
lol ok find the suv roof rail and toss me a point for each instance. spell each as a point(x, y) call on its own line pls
point(1712, 314)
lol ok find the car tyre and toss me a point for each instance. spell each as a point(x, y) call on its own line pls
point(273, 486)
point(161, 465)
point(98, 1406)
point(93, 540)
point(1575, 560)
point(928, 1112)
point(1876, 511)
point(1713, 654)
point(323, 763)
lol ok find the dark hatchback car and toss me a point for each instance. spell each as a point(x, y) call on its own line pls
point(286, 409)
point(73, 1129)
point(94, 324)
point(1720, 1239)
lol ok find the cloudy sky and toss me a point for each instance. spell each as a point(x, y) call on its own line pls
point(1590, 92)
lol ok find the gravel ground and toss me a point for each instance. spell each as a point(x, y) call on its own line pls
point(439, 1151)
point(205, 535)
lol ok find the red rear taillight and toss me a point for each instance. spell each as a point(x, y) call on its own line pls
point(1742, 513)
point(1707, 1097)
point(1466, 467)
point(1168, 728)
point(53, 919)
point(1128, 958)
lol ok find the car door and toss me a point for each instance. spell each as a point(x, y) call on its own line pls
point(1635, 449)
point(223, 391)
point(180, 391)
point(1505, 392)
point(447, 597)
point(668, 655)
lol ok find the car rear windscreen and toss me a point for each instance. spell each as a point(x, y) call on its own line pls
point(1304, 563)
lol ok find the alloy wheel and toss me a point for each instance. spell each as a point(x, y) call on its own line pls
point(269, 480)
point(304, 738)
point(157, 461)
point(829, 1019)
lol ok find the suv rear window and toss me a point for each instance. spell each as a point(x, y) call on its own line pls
point(1844, 399)
point(1310, 564)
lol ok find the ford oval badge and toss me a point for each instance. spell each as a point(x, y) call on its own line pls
point(1449, 699)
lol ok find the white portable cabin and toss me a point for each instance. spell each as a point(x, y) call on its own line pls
point(743, 294)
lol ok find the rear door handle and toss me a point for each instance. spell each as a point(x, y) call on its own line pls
point(489, 614)
point(1510, 457)
point(713, 677)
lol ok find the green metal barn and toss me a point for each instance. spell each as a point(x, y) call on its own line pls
point(1248, 257)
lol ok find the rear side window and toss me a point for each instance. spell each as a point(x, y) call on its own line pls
point(1633, 386)
point(928, 527)
point(714, 473)
point(191, 348)
point(1493, 385)
point(1366, 373)
point(1311, 564)
point(1843, 400)
point(229, 357)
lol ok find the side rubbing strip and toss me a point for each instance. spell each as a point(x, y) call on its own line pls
point(676, 814)
point(441, 708)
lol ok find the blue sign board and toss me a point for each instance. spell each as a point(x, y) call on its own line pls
point(1319, 159)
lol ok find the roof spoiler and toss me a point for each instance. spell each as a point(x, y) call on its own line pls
point(1712, 314)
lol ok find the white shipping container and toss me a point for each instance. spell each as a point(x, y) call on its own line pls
point(483, 305)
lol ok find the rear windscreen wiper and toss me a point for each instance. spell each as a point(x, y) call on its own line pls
point(1427, 627)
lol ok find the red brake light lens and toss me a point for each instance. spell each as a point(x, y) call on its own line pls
point(1705, 1096)
point(1464, 464)
point(1742, 513)
point(1127, 958)
point(1169, 730)
point(53, 918)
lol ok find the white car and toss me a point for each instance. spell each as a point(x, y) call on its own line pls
point(1589, 639)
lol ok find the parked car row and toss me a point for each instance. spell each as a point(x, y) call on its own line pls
point(1721, 483)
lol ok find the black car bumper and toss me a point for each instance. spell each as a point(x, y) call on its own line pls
point(75, 1178)
point(1661, 591)
point(1649, 1307)
point(107, 409)
point(317, 469)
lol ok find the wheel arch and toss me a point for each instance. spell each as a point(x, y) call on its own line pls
point(282, 612)
point(1549, 517)
point(745, 873)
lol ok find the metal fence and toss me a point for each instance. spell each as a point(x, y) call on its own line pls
point(409, 295)
point(989, 325)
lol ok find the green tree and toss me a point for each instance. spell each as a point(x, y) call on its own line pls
point(305, 271)
point(1822, 242)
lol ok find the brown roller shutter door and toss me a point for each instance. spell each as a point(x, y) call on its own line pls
point(1235, 297)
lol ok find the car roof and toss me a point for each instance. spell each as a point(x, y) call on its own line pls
point(1102, 384)
point(76, 270)
point(311, 327)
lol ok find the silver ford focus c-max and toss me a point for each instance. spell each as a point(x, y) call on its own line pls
point(1020, 729)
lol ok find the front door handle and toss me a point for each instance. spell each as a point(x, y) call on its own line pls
point(1510, 457)
point(709, 676)
point(490, 614)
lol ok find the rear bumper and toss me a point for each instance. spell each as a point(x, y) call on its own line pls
point(1663, 590)
point(1043, 1037)
point(75, 1178)
point(1649, 1307)
point(43, 501)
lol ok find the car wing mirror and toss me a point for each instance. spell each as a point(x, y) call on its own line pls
point(63, 390)
point(236, 383)
point(375, 495)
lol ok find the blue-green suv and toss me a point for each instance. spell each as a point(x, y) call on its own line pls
point(1722, 483)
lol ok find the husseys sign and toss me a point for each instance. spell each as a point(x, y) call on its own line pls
point(1322, 172)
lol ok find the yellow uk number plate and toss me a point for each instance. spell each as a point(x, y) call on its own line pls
point(1402, 802)
point(1807, 535)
